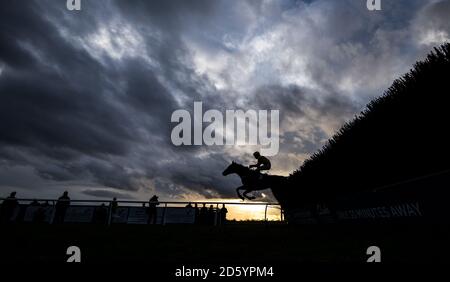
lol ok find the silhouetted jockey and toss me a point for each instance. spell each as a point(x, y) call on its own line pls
point(263, 162)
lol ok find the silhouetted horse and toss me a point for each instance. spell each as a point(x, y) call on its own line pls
point(253, 180)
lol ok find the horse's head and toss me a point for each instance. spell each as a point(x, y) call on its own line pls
point(232, 168)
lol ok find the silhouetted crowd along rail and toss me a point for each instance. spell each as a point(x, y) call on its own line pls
point(61, 211)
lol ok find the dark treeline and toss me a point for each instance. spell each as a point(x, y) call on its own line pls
point(399, 136)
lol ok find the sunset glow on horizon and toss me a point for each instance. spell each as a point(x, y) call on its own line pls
point(240, 210)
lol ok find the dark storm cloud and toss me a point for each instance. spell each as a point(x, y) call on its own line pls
point(43, 110)
point(52, 95)
point(73, 117)
point(168, 15)
point(52, 99)
point(106, 194)
point(299, 103)
point(200, 175)
point(86, 97)
point(296, 101)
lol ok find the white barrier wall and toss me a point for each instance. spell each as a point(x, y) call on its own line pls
point(79, 214)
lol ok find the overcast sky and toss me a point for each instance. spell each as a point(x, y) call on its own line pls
point(86, 97)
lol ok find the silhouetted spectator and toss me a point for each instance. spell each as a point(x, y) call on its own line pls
point(113, 205)
point(203, 215)
point(61, 207)
point(101, 214)
point(8, 208)
point(189, 205)
point(151, 210)
point(211, 215)
point(39, 214)
point(223, 214)
point(197, 214)
point(43, 213)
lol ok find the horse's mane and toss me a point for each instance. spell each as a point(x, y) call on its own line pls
point(241, 166)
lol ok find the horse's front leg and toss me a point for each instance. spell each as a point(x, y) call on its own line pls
point(239, 194)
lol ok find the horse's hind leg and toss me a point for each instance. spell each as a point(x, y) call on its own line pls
point(239, 194)
point(248, 197)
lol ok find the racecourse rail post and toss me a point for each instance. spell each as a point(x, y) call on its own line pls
point(164, 214)
point(110, 213)
point(265, 213)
